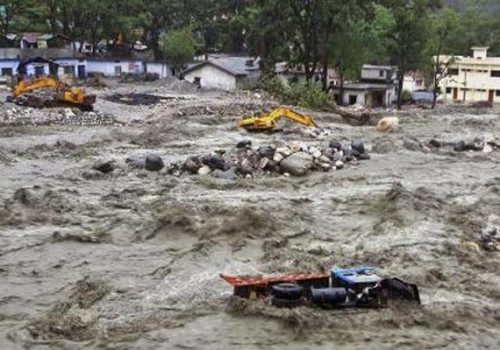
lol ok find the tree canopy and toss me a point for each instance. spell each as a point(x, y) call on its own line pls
point(311, 33)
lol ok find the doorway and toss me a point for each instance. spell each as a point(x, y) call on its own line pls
point(491, 96)
point(455, 93)
point(81, 72)
point(353, 99)
point(39, 71)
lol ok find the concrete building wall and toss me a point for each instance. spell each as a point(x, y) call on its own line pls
point(67, 65)
point(370, 73)
point(212, 78)
point(368, 98)
point(34, 69)
point(411, 83)
point(114, 68)
point(10, 53)
point(351, 95)
point(162, 69)
point(471, 82)
point(390, 97)
point(7, 66)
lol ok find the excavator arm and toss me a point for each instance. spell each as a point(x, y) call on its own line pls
point(268, 121)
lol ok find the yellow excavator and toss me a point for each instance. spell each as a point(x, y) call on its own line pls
point(268, 122)
point(50, 92)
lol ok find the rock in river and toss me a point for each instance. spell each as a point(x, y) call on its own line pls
point(227, 175)
point(104, 166)
point(153, 162)
point(298, 164)
point(136, 162)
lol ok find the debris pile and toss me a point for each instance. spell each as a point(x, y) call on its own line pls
point(490, 241)
point(138, 99)
point(296, 159)
point(233, 109)
point(179, 86)
point(314, 133)
point(34, 117)
point(477, 145)
point(134, 78)
point(474, 145)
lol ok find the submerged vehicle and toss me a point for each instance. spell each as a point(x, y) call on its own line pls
point(341, 288)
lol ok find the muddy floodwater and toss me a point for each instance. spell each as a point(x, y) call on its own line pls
point(131, 259)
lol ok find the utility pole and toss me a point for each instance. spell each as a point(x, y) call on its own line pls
point(465, 86)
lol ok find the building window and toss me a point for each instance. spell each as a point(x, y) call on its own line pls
point(498, 93)
point(448, 90)
point(353, 99)
point(495, 73)
point(39, 71)
point(118, 70)
point(419, 82)
point(7, 72)
point(466, 70)
point(69, 70)
point(381, 74)
point(452, 71)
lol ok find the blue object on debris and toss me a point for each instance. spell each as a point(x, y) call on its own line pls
point(356, 278)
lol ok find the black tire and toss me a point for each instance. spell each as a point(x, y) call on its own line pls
point(286, 303)
point(399, 289)
point(287, 291)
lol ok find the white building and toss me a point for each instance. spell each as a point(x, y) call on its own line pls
point(161, 68)
point(414, 81)
point(8, 66)
point(472, 79)
point(117, 67)
point(375, 89)
point(224, 73)
point(79, 67)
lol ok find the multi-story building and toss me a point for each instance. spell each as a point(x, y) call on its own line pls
point(376, 87)
point(472, 79)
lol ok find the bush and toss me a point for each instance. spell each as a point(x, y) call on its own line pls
point(406, 96)
point(304, 95)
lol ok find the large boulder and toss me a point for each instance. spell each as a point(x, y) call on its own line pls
point(215, 161)
point(104, 166)
point(136, 162)
point(267, 152)
point(298, 164)
point(335, 145)
point(358, 146)
point(244, 144)
point(153, 162)
point(191, 165)
point(229, 174)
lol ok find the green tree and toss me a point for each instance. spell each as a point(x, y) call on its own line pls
point(403, 29)
point(266, 33)
point(19, 15)
point(442, 26)
point(178, 47)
